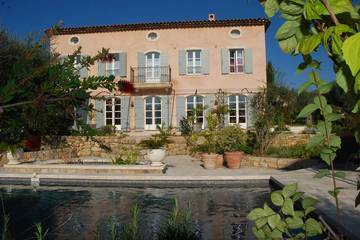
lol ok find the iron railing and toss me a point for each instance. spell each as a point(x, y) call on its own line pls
point(150, 75)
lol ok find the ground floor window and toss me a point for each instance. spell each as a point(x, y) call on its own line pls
point(152, 112)
point(195, 108)
point(237, 110)
point(113, 112)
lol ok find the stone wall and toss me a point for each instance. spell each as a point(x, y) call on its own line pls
point(276, 163)
point(288, 139)
point(65, 154)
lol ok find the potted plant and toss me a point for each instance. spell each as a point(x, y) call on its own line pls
point(14, 153)
point(232, 142)
point(156, 146)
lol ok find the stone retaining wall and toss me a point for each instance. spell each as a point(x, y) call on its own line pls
point(65, 154)
point(288, 139)
point(276, 163)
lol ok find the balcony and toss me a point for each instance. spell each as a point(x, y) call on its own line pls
point(151, 77)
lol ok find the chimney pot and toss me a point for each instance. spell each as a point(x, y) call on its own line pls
point(211, 17)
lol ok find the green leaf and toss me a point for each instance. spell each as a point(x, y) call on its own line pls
point(308, 202)
point(322, 173)
point(274, 220)
point(271, 7)
point(351, 50)
point(340, 174)
point(290, 17)
point(343, 28)
point(256, 214)
point(261, 222)
point(258, 233)
point(312, 227)
point(287, 30)
point(332, 117)
point(309, 210)
point(288, 45)
point(340, 6)
point(325, 88)
point(327, 157)
point(335, 141)
point(334, 193)
point(299, 214)
point(320, 101)
point(297, 196)
point(291, 8)
point(294, 222)
point(308, 44)
point(288, 207)
point(307, 110)
point(310, 12)
point(268, 210)
point(277, 199)
point(324, 127)
point(327, 35)
point(336, 45)
point(315, 141)
point(276, 234)
point(341, 80)
point(300, 2)
point(304, 86)
point(289, 190)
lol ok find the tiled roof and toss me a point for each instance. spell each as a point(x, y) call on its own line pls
point(164, 25)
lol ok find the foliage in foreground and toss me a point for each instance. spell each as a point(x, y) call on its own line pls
point(333, 26)
point(286, 221)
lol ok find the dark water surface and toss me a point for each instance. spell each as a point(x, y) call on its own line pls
point(76, 212)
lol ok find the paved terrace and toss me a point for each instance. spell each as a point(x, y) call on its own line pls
point(186, 169)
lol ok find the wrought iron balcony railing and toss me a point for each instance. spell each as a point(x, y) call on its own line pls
point(150, 76)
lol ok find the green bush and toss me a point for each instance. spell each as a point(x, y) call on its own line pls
point(296, 151)
point(128, 156)
point(232, 139)
point(186, 126)
point(157, 140)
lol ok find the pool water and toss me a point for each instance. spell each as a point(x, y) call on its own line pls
point(77, 212)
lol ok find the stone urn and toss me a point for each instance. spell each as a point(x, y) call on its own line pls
point(233, 159)
point(210, 160)
point(156, 156)
point(14, 157)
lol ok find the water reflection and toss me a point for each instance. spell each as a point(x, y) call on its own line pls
point(76, 212)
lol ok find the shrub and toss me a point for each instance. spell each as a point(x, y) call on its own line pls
point(157, 140)
point(231, 139)
point(128, 156)
point(186, 126)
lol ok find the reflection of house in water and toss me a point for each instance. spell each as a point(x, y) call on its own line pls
point(75, 213)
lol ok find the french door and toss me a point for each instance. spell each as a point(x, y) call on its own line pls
point(237, 110)
point(152, 112)
point(152, 72)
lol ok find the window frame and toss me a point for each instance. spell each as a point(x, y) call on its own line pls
point(236, 64)
point(194, 101)
point(113, 112)
point(237, 109)
point(112, 70)
point(153, 126)
point(193, 58)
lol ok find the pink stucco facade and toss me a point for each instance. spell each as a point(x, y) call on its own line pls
point(171, 41)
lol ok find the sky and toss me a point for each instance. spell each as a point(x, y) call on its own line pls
point(21, 17)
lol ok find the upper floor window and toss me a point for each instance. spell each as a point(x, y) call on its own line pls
point(113, 112)
point(113, 65)
point(193, 62)
point(236, 60)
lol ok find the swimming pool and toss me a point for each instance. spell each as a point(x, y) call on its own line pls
point(217, 211)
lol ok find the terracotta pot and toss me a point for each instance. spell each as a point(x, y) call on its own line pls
point(209, 160)
point(233, 159)
point(219, 161)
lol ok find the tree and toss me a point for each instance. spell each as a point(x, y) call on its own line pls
point(333, 26)
point(39, 91)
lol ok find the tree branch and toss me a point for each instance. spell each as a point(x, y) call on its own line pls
point(331, 12)
point(30, 102)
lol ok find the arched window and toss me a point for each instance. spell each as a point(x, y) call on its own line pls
point(152, 62)
point(152, 112)
point(113, 112)
point(195, 108)
point(237, 110)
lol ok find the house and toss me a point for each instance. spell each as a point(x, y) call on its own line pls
point(176, 68)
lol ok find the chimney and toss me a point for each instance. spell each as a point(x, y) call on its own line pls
point(211, 17)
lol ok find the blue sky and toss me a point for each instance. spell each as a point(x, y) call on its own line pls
point(21, 17)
